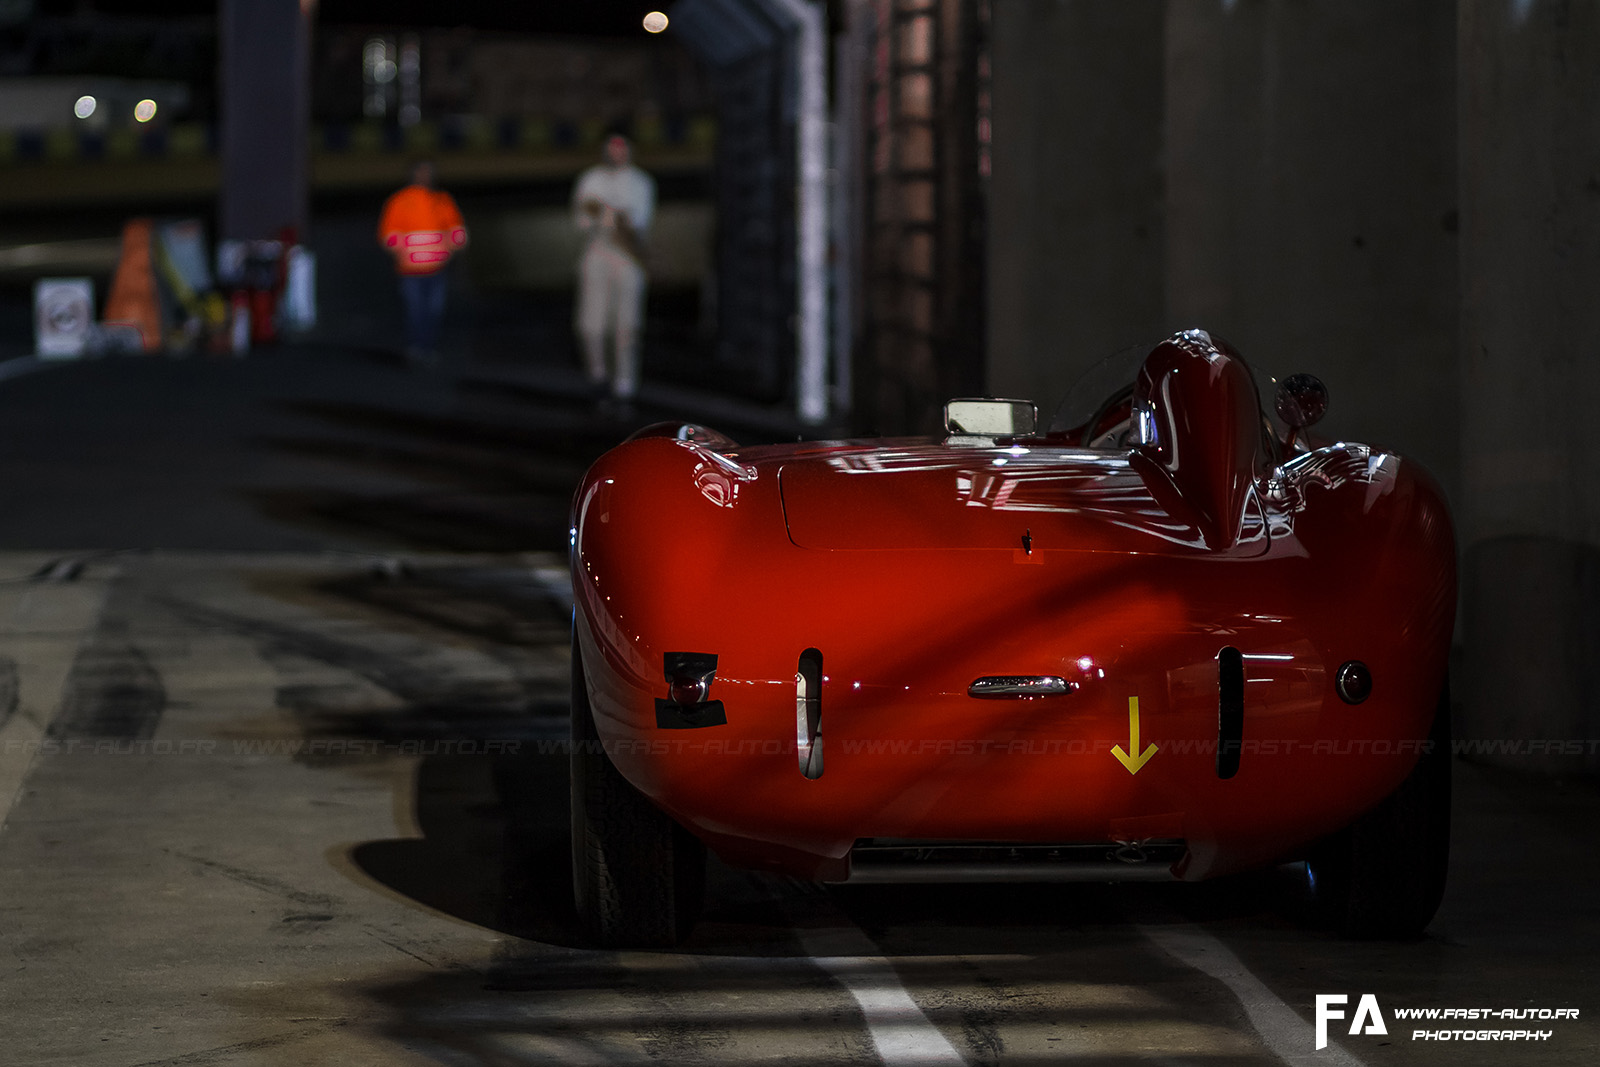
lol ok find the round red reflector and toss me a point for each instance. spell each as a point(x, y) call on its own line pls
point(688, 691)
point(1353, 682)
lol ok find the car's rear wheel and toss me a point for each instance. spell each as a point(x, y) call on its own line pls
point(1383, 876)
point(638, 878)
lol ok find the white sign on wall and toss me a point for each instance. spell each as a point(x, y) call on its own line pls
point(63, 316)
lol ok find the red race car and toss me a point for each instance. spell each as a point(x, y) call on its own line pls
point(1174, 640)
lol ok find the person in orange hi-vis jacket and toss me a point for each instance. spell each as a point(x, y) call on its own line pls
point(422, 228)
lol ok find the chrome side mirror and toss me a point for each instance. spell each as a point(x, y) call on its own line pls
point(1301, 401)
point(984, 417)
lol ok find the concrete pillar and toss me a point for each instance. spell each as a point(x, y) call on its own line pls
point(266, 102)
point(1311, 203)
point(1075, 234)
point(1530, 323)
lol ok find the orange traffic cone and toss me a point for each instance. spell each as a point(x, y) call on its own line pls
point(133, 301)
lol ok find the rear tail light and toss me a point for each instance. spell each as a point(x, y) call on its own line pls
point(689, 676)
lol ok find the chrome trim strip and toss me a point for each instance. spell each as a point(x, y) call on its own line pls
point(1023, 686)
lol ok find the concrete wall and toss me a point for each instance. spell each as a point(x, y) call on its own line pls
point(1282, 173)
point(1401, 198)
point(1075, 262)
point(1311, 203)
point(1529, 517)
point(266, 102)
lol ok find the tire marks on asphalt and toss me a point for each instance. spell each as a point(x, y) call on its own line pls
point(113, 692)
point(265, 883)
point(44, 626)
point(305, 1030)
point(8, 689)
point(438, 702)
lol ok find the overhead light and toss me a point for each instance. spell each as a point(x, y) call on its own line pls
point(655, 22)
point(84, 107)
point(144, 110)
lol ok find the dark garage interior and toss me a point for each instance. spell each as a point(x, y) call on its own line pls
point(286, 618)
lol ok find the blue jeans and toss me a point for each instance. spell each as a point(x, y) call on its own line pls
point(423, 295)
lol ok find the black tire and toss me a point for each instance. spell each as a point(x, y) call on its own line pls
point(1383, 876)
point(638, 878)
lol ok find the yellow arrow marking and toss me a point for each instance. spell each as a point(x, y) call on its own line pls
point(1133, 763)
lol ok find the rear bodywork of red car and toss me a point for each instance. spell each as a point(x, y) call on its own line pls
point(1008, 642)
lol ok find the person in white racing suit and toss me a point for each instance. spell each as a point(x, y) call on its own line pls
point(612, 205)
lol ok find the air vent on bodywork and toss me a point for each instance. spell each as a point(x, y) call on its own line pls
point(808, 712)
point(1230, 711)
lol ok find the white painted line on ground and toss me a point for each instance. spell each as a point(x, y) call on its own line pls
point(1281, 1028)
point(556, 582)
point(19, 744)
point(16, 368)
point(41, 626)
point(900, 1032)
